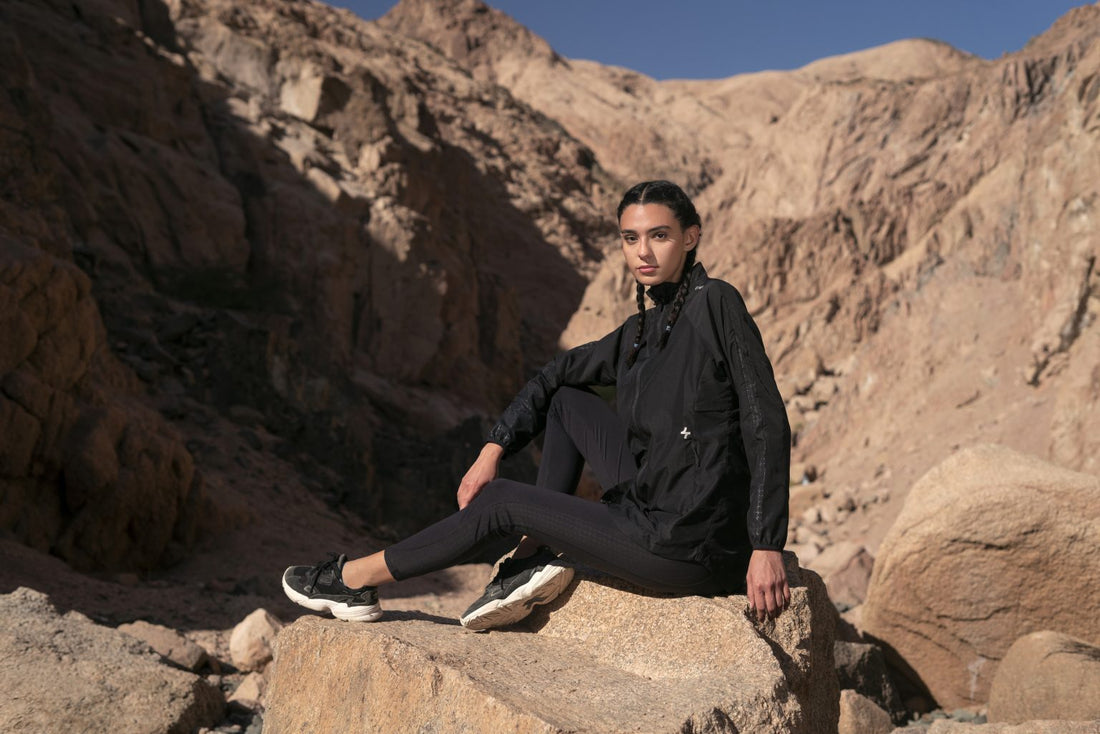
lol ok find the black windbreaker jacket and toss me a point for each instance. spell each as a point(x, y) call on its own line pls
point(706, 425)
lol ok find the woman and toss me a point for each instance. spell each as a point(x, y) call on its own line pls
point(694, 462)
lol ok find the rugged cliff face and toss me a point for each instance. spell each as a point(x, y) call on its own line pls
point(914, 229)
point(267, 270)
point(349, 242)
point(285, 217)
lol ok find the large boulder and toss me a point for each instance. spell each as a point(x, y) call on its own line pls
point(990, 545)
point(1047, 675)
point(1047, 726)
point(614, 661)
point(66, 673)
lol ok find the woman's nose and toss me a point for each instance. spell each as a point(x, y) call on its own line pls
point(643, 247)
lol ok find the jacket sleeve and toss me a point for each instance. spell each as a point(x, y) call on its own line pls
point(595, 363)
point(765, 430)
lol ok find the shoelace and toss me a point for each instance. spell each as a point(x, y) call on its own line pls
point(504, 572)
point(315, 572)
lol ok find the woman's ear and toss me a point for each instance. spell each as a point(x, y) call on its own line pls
point(691, 236)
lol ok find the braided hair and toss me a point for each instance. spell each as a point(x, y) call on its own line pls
point(672, 196)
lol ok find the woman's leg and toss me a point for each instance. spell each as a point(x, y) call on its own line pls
point(581, 427)
point(586, 531)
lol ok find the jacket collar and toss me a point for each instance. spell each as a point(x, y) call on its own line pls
point(663, 293)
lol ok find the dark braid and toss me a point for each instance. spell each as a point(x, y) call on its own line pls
point(681, 296)
point(641, 327)
point(672, 196)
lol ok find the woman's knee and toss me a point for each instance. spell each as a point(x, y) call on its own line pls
point(568, 398)
point(495, 492)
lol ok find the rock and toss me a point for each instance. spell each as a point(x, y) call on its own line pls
point(861, 715)
point(945, 726)
point(250, 693)
point(621, 662)
point(861, 667)
point(998, 544)
point(250, 645)
point(169, 643)
point(1046, 675)
point(65, 673)
point(845, 567)
point(89, 472)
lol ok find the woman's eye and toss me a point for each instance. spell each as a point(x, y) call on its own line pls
point(660, 235)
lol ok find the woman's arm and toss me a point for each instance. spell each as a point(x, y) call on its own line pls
point(480, 473)
point(766, 437)
point(765, 431)
point(766, 582)
point(595, 363)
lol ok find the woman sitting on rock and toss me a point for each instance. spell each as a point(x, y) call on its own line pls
point(694, 460)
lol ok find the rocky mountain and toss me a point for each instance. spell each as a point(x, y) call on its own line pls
point(914, 229)
point(285, 217)
point(267, 270)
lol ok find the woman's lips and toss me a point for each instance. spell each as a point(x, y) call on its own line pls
point(647, 269)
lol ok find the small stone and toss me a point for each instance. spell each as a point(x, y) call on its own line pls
point(250, 643)
point(861, 715)
point(250, 693)
point(168, 643)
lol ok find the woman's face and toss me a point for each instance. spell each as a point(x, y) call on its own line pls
point(654, 244)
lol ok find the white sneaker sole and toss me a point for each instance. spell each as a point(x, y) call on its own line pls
point(543, 588)
point(340, 610)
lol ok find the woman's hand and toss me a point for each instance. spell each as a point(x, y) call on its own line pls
point(767, 584)
point(483, 471)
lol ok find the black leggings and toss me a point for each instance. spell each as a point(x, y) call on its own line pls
point(579, 426)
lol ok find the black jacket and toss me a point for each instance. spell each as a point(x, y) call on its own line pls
point(706, 425)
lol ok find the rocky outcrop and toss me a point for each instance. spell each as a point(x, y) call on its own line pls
point(1028, 727)
point(874, 209)
point(284, 215)
point(598, 659)
point(65, 673)
point(991, 545)
point(86, 470)
point(1047, 675)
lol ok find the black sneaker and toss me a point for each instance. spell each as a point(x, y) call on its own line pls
point(518, 586)
point(321, 588)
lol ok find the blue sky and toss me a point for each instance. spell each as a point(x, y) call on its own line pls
point(718, 38)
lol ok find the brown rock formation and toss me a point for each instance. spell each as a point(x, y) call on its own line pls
point(250, 250)
point(1047, 675)
point(1051, 726)
point(65, 673)
point(320, 239)
point(875, 209)
point(991, 545)
point(600, 659)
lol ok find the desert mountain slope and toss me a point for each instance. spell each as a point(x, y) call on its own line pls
point(344, 244)
point(267, 270)
point(914, 228)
